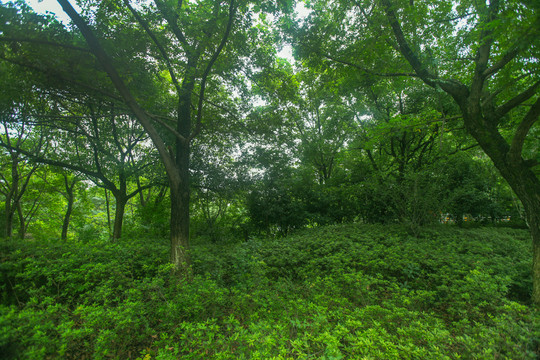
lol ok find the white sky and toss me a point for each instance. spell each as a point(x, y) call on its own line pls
point(52, 6)
point(43, 6)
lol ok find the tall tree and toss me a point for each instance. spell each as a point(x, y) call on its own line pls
point(188, 48)
point(15, 174)
point(484, 55)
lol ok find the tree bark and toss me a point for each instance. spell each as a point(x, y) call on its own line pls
point(70, 200)
point(8, 230)
point(67, 216)
point(121, 202)
point(179, 227)
point(22, 225)
point(481, 122)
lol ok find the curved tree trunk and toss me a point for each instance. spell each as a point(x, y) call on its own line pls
point(482, 117)
point(519, 176)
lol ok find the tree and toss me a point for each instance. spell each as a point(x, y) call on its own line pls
point(92, 139)
point(187, 49)
point(484, 55)
point(15, 176)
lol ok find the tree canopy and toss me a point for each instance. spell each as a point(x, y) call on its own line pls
point(389, 111)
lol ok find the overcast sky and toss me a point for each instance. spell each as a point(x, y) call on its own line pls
point(52, 6)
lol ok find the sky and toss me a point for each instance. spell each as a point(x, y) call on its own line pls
point(42, 6)
point(52, 6)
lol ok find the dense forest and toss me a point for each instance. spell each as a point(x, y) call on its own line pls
point(318, 179)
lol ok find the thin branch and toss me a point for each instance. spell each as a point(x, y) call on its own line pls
point(160, 47)
point(173, 23)
point(522, 130)
point(366, 70)
point(81, 169)
point(516, 100)
point(232, 10)
point(43, 42)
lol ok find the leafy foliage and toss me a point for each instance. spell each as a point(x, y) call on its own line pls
point(334, 292)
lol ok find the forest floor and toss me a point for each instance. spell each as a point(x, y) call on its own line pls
point(336, 292)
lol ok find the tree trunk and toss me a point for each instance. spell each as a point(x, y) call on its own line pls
point(521, 179)
point(107, 204)
point(67, 217)
point(534, 226)
point(180, 229)
point(121, 202)
point(8, 231)
point(180, 190)
point(70, 199)
point(22, 227)
point(527, 188)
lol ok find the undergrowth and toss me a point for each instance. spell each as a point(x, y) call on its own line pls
point(337, 292)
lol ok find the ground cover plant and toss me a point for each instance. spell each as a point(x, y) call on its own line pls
point(335, 292)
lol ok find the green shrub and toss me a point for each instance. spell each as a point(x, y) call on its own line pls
point(338, 292)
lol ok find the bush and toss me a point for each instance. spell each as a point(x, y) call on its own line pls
point(333, 292)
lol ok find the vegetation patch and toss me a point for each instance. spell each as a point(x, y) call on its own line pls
point(335, 292)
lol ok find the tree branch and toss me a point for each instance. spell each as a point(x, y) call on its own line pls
point(404, 47)
point(160, 47)
point(516, 100)
point(43, 42)
point(483, 53)
point(59, 75)
point(501, 63)
point(366, 70)
point(130, 101)
point(232, 10)
point(514, 154)
point(452, 87)
point(173, 23)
